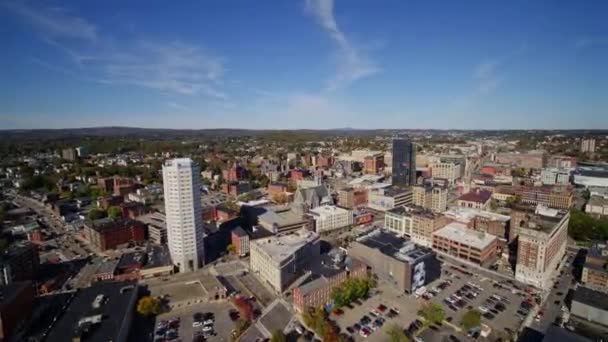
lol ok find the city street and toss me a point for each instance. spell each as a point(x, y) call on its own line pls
point(552, 307)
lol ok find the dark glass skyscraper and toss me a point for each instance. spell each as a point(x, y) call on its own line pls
point(404, 162)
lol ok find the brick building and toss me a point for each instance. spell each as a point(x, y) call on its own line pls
point(240, 241)
point(316, 290)
point(542, 240)
point(277, 188)
point(131, 210)
point(477, 199)
point(458, 241)
point(235, 173)
point(352, 198)
point(108, 233)
point(595, 270)
point(373, 164)
point(552, 196)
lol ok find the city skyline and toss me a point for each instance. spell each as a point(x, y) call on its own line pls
point(316, 64)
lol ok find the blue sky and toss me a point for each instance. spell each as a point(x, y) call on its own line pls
point(304, 64)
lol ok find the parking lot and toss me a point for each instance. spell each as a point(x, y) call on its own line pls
point(406, 306)
point(222, 326)
point(498, 303)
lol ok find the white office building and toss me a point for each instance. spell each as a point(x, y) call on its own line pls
point(552, 176)
point(330, 217)
point(182, 184)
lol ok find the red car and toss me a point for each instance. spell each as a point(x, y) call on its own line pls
point(381, 308)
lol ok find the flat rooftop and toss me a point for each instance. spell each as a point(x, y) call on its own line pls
point(411, 210)
point(466, 215)
point(541, 219)
point(459, 232)
point(281, 247)
point(596, 200)
point(110, 321)
point(591, 297)
point(393, 246)
point(281, 216)
point(153, 219)
point(327, 210)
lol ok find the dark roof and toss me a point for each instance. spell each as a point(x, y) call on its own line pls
point(158, 256)
point(555, 333)
point(591, 297)
point(478, 195)
point(391, 245)
point(108, 224)
point(392, 191)
point(116, 310)
point(132, 258)
point(240, 232)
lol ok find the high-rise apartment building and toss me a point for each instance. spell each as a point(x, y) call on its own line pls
point(182, 185)
point(404, 162)
point(588, 145)
point(543, 235)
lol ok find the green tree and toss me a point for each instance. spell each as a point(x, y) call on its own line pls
point(432, 313)
point(231, 249)
point(114, 212)
point(471, 319)
point(148, 306)
point(278, 336)
point(396, 334)
point(95, 214)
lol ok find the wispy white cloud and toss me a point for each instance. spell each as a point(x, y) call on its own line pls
point(351, 64)
point(176, 105)
point(487, 76)
point(174, 66)
point(54, 22)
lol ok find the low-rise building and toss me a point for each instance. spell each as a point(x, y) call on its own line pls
point(590, 305)
point(101, 312)
point(552, 196)
point(595, 270)
point(330, 217)
point(543, 235)
point(240, 241)
point(109, 233)
point(597, 206)
point(447, 170)
point(316, 290)
point(477, 199)
point(388, 198)
point(352, 198)
point(553, 176)
point(373, 164)
point(19, 262)
point(482, 220)
point(397, 261)
point(157, 227)
point(278, 260)
point(277, 219)
point(458, 241)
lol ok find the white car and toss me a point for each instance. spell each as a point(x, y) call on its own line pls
point(207, 328)
point(197, 324)
point(208, 322)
